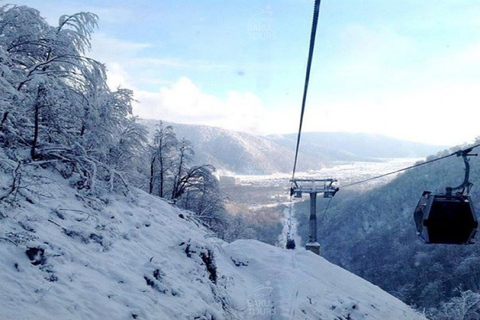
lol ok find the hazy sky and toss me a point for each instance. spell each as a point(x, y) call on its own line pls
point(404, 68)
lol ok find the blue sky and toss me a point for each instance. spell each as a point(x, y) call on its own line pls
point(407, 69)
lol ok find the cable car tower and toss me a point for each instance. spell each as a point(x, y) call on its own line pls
point(313, 187)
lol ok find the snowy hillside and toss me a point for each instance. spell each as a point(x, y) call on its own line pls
point(66, 255)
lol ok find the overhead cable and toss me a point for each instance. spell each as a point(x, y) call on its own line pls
point(456, 153)
point(307, 79)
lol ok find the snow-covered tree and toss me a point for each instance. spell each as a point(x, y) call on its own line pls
point(161, 158)
point(199, 192)
point(55, 102)
point(463, 307)
point(182, 176)
point(171, 175)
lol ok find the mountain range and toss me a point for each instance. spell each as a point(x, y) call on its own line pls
point(245, 153)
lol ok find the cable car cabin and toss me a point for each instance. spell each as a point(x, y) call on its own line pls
point(290, 244)
point(446, 219)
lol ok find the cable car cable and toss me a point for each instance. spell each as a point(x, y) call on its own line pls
point(307, 79)
point(468, 222)
point(326, 210)
point(456, 153)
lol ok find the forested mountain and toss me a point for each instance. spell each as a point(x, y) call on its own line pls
point(237, 152)
point(372, 234)
point(244, 153)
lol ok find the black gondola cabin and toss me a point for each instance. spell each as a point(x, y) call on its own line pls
point(445, 219)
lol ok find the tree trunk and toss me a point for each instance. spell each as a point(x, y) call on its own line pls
point(178, 176)
point(37, 105)
point(4, 118)
point(152, 178)
point(161, 177)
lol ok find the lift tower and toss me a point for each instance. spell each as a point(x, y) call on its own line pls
point(312, 187)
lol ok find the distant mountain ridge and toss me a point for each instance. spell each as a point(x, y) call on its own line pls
point(346, 146)
point(233, 151)
point(245, 153)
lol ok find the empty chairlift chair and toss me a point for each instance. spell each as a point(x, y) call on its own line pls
point(447, 218)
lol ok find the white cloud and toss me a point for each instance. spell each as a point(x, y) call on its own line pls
point(117, 76)
point(108, 49)
point(184, 102)
point(179, 63)
point(432, 100)
point(129, 65)
point(440, 114)
point(373, 45)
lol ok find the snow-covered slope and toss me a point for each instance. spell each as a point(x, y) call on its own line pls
point(65, 255)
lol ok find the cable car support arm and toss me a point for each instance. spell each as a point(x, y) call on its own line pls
point(466, 185)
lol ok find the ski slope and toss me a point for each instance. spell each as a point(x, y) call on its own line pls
point(137, 257)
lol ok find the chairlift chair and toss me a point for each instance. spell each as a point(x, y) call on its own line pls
point(448, 218)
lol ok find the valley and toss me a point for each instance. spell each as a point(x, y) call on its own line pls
point(263, 198)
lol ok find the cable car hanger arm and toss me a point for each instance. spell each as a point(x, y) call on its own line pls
point(465, 184)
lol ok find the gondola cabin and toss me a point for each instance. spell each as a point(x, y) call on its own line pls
point(290, 244)
point(446, 219)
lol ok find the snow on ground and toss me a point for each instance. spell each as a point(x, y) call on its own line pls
point(297, 284)
point(66, 255)
point(290, 224)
